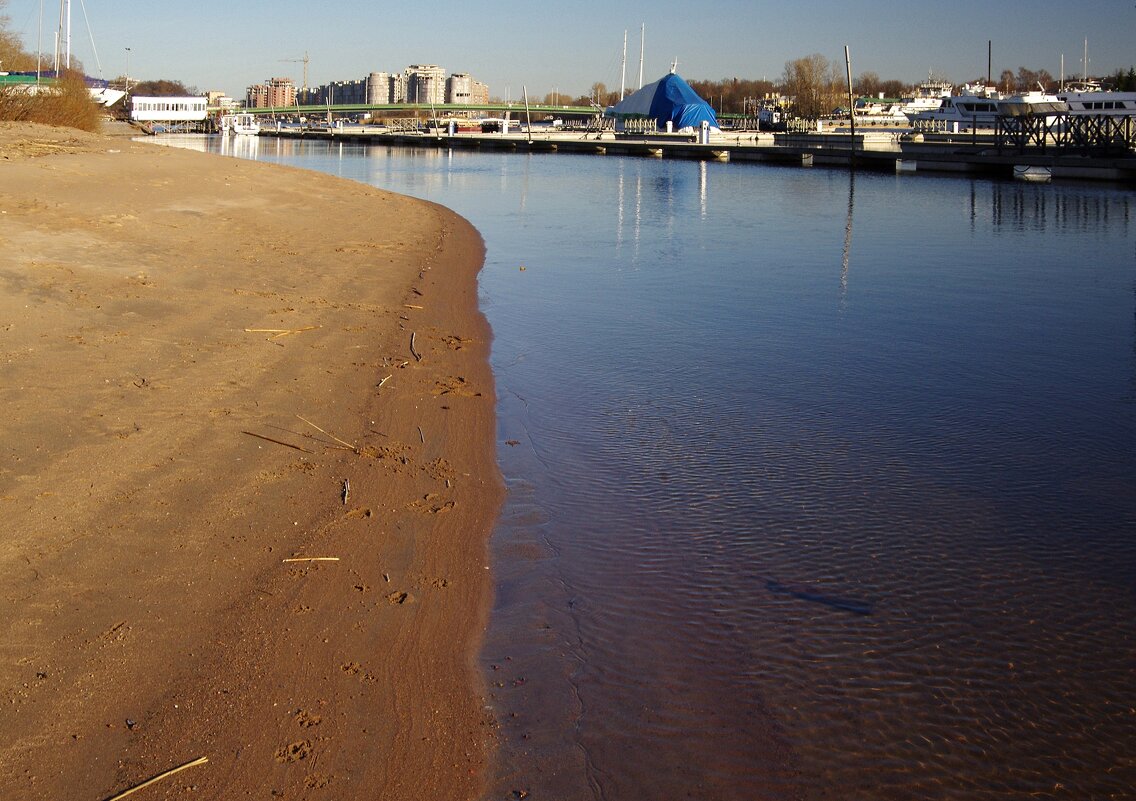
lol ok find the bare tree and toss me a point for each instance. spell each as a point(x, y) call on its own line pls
point(868, 84)
point(12, 54)
point(813, 85)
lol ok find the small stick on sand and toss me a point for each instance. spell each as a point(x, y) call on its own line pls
point(277, 442)
point(312, 559)
point(421, 436)
point(337, 439)
point(412, 306)
point(159, 777)
point(281, 332)
point(417, 356)
point(388, 378)
point(346, 490)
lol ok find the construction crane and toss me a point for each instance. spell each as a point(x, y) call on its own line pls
point(305, 62)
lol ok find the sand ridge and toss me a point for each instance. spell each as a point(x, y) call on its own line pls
point(210, 366)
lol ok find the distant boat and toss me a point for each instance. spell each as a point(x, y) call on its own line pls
point(1031, 104)
point(1088, 99)
point(239, 125)
point(981, 107)
point(102, 94)
point(927, 96)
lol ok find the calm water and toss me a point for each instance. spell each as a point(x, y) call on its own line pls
point(820, 486)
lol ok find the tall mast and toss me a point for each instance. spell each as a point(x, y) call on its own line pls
point(623, 68)
point(642, 43)
point(67, 36)
point(1085, 77)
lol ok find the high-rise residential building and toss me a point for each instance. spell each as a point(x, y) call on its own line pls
point(379, 88)
point(273, 93)
point(418, 83)
point(461, 87)
point(425, 83)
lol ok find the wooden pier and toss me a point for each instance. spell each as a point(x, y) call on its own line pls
point(980, 154)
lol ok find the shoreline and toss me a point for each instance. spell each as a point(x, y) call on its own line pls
point(196, 354)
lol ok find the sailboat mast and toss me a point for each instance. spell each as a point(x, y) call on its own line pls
point(623, 68)
point(67, 39)
point(642, 44)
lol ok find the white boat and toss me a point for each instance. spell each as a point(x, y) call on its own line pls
point(105, 96)
point(927, 96)
point(978, 108)
point(239, 125)
point(1034, 103)
point(974, 107)
point(1088, 99)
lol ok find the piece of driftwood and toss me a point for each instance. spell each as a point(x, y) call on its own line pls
point(417, 356)
point(388, 378)
point(159, 777)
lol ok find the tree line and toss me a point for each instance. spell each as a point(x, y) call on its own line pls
point(816, 86)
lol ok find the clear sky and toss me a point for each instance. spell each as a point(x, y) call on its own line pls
point(230, 44)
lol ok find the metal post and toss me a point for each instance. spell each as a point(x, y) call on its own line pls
point(851, 105)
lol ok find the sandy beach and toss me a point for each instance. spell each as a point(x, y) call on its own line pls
point(211, 367)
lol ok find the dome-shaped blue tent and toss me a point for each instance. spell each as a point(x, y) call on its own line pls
point(669, 99)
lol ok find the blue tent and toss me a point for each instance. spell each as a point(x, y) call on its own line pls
point(669, 99)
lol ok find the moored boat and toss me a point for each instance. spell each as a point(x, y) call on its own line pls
point(1089, 99)
point(980, 107)
point(1033, 103)
point(239, 125)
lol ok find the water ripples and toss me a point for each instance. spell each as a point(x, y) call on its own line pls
point(822, 485)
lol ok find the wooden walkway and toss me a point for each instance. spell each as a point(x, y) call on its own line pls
point(890, 152)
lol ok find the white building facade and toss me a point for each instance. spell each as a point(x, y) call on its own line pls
point(168, 109)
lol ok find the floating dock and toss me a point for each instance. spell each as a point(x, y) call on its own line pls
point(979, 154)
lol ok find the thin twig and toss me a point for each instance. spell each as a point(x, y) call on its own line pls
point(281, 332)
point(388, 378)
point(417, 356)
point(346, 490)
point(277, 442)
point(337, 439)
point(421, 436)
point(312, 559)
point(159, 777)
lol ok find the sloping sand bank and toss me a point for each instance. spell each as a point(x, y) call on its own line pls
point(209, 367)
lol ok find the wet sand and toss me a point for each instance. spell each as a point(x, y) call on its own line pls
point(210, 367)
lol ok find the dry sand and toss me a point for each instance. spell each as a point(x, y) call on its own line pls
point(166, 320)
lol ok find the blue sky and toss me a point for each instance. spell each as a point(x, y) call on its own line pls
point(228, 45)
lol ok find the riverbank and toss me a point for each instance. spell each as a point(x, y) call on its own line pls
point(211, 367)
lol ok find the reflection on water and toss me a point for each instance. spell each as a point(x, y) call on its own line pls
point(847, 252)
point(765, 540)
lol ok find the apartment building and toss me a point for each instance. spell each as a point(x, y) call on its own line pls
point(273, 93)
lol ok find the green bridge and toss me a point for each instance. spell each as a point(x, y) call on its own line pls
point(440, 110)
point(433, 110)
